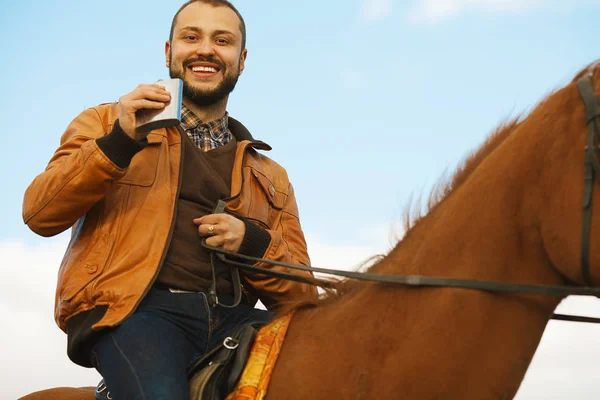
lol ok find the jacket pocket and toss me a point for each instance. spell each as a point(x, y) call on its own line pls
point(267, 201)
point(84, 272)
point(143, 167)
point(273, 196)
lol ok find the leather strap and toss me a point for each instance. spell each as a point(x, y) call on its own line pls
point(414, 280)
point(591, 168)
point(235, 273)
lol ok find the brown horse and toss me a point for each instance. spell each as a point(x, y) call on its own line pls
point(512, 213)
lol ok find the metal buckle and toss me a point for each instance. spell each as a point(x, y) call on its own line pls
point(213, 299)
point(180, 291)
point(230, 343)
point(102, 390)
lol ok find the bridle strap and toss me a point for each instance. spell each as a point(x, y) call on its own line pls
point(591, 168)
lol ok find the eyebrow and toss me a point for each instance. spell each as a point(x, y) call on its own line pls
point(198, 30)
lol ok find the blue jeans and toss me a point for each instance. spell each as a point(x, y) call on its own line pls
point(148, 355)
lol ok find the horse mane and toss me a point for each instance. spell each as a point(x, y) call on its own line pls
point(440, 192)
point(445, 186)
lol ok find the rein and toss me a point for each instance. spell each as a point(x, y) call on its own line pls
point(591, 164)
point(408, 280)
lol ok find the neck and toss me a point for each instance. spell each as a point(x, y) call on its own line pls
point(207, 113)
point(431, 343)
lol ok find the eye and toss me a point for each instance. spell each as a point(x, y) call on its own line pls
point(222, 41)
point(190, 37)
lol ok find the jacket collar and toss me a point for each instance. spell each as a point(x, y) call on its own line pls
point(241, 133)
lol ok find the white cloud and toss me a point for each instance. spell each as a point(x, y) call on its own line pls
point(33, 347)
point(437, 10)
point(372, 241)
point(565, 365)
point(376, 9)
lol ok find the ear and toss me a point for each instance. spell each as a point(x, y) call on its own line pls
point(168, 53)
point(243, 60)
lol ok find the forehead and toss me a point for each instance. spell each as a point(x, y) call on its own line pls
point(208, 18)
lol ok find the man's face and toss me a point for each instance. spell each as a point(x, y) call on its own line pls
point(206, 52)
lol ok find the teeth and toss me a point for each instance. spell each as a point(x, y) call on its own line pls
point(204, 69)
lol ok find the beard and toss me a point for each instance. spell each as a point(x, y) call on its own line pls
point(205, 97)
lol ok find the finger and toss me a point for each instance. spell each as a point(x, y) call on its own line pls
point(211, 219)
point(215, 241)
point(208, 230)
point(152, 94)
point(153, 87)
point(157, 86)
point(232, 246)
point(147, 92)
point(145, 104)
point(136, 101)
point(232, 242)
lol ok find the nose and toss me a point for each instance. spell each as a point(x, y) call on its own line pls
point(205, 47)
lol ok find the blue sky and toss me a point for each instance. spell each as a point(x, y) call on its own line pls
point(365, 102)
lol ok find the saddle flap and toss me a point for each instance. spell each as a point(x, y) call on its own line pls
point(200, 380)
point(215, 375)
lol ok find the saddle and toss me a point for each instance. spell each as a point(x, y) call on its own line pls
point(215, 375)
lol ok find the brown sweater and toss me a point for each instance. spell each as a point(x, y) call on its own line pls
point(206, 178)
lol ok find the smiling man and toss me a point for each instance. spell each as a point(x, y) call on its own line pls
point(209, 71)
point(137, 294)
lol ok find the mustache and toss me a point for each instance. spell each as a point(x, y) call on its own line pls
point(211, 60)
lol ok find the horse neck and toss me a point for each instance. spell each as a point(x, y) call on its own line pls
point(430, 343)
point(487, 229)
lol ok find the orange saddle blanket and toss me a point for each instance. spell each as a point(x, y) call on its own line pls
point(255, 378)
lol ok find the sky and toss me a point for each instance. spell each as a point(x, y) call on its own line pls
point(367, 103)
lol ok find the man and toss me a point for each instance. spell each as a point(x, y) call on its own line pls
point(133, 288)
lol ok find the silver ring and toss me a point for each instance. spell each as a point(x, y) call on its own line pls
point(211, 228)
point(230, 343)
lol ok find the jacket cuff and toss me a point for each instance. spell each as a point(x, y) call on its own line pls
point(119, 147)
point(255, 242)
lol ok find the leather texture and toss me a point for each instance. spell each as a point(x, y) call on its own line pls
point(121, 219)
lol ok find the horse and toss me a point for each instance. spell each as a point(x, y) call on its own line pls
point(512, 212)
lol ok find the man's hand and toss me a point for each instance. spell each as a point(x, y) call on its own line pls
point(222, 230)
point(152, 96)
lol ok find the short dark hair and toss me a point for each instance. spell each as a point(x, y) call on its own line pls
point(214, 3)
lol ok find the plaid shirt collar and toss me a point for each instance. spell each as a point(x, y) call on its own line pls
point(206, 136)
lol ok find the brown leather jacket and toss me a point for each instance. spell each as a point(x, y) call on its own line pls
point(121, 218)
